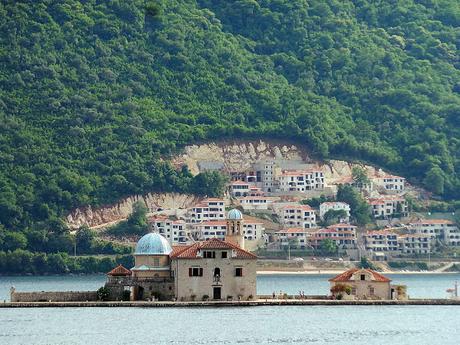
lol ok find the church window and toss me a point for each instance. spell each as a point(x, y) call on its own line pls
point(195, 272)
point(224, 255)
point(239, 272)
point(209, 254)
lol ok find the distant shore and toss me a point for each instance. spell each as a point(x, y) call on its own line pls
point(335, 272)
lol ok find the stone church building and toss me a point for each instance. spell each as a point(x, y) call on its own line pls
point(212, 269)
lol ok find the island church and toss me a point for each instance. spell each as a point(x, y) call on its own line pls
point(212, 269)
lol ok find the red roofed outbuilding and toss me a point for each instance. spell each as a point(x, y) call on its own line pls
point(364, 283)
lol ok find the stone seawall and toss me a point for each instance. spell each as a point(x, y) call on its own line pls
point(268, 302)
point(54, 296)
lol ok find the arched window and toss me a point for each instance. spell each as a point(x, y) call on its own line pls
point(217, 272)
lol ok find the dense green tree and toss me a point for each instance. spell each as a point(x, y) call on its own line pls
point(359, 209)
point(328, 246)
point(14, 240)
point(334, 216)
point(96, 96)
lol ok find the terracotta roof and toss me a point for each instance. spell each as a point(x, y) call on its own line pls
point(433, 221)
point(346, 276)
point(414, 236)
point(239, 183)
point(212, 223)
point(191, 251)
point(298, 207)
point(176, 250)
point(292, 231)
point(213, 200)
point(379, 232)
point(341, 225)
point(332, 203)
point(119, 271)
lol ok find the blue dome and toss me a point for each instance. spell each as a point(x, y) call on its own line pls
point(153, 244)
point(235, 215)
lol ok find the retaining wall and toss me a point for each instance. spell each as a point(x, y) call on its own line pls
point(54, 296)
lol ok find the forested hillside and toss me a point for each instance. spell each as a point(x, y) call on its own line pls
point(96, 94)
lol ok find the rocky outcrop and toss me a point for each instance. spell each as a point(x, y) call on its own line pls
point(236, 156)
point(108, 214)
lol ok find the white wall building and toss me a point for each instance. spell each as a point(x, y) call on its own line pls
point(415, 243)
point(390, 183)
point(298, 216)
point(388, 206)
point(381, 241)
point(208, 209)
point(441, 229)
point(175, 231)
point(300, 180)
point(239, 189)
point(255, 202)
point(294, 237)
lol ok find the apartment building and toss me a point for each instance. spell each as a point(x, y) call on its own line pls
point(208, 210)
point(175, 231)
point(415, 243)
point(344, 239)
point(388, 206)
point(381, 241)
point(443, 230)
point(298, 216)
point(390, 183)
point(294, 237)
point(255, 202)
point(300, 180)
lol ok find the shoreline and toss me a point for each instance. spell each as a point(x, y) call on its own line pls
point(336, 272)
point(222, 304)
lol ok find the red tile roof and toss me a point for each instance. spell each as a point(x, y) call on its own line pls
point(346, 276)
point(433, 221)
point(191, 251)
point(292, 231)
point(118, 271)
point(341, 225)
point(298, 207)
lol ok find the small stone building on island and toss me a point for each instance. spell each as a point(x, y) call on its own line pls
point(214, 269)
point(365, 284)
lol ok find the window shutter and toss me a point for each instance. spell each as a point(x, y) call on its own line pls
point(201, 272)
point(190, 271)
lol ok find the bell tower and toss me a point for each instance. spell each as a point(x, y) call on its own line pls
point(235, 228)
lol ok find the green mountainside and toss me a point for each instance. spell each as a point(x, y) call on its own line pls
point(94, 95)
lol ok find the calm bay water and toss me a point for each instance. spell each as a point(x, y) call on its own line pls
point(402, 325)
point(419, 285)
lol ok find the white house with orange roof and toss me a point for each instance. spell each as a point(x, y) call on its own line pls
point(239, 189)
point(381, 243)
point(443, 230)
point(175, 231)
point(294, 216)
point(335, 206)
point(390, 183)
point(387, 206)
point(295, 237)
point(364, 283)
point(208, 209)
point(415, 243)
point(344, 238)
point(300, 180)
point(255, 202)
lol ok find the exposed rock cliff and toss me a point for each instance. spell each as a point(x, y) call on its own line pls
point(113, 213)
